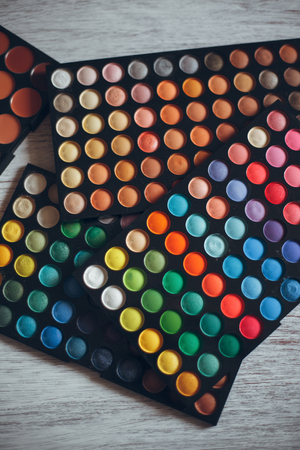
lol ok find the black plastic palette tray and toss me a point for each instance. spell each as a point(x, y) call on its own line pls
point(63, 319)
point(265, 72)
point(22, 66)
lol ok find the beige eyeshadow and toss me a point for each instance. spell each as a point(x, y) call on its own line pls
point(67, 126)
point(23, 207)
point(75, 203)
point(137, 240)
point(64, 103)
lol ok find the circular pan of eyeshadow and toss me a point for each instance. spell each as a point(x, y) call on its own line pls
point(129, 196)
point(248, 105)
point(145, 117)
point(174, 281)
point(23, 207)
point(197, 225)
point(35, 183)
point(175, 139)
point(76, 348)
point(292, 176)
point(19, 59)
point(269, 99)
point(95, 148)
point(208, 364)
point(102, 358)
point(4, 42)
point(25, 266)
point(163, 67)
point(236, 227)
point(223, 108)
point(258, 137)
point(95, 237)
point(188, 384)
point(152, 300)
point(167, 90)
point(232, 306)
point(38, 301)
point(201, 136)
point(48, 217)
point(119, 120)
point(244, 82)
point(154, 191)
point(148, 142)
point(192, 303)
point(176, 243)
point(63, 311)
point(152, 167)
point(239, 154)
point(87, 75)
point(150, 340)
point(158, 222)
point(201, 156)
point(197, 111)
point(72, 177)
point(214, 61)
point(122, 145)
point(92, 123)
point(116, 96)
point(213, 284)
point(215, 245)
point(64, 103)
point(102, 199)
point(90, 99)
point(12, 231)
point(137, 240)
point(26, 326)
point(75, 203)
point(292, 76)
point(195, 264)
point(251, 327)
point(289, 53)
point(189, 64)
point(6, 255)
point(113, 298)
point(199, 187)
point(169, 362)
point(71, 229)
point(99, 173)
point(152, 382)
point(226, 131)
point(268, 79)
point(60, 251)
point(116, 258)
point(193, 87)
point(61, 78)
point(69, 151)
point(131, 319)
point(219, 84)
point(125, 170)
point(129, 370)
point(13, 290)
point(277, 120)
point(10, 128)
point(113, 72)
point(257, 173)
point(264, 56)
point(138, 70)
point(239, 58)
point(67, 126)
point(178, 164)
point(36, 241)
point(38, 76)
point(217, 207)
point(7, 84)
point(141, 93)
point(95, 277)
point(207, 404)
point(51, 337)
point(292, 139)
point(171, 114)
point(178, 205)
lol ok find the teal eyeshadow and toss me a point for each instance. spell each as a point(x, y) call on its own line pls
point(82, 257)
point(95, 237)
point(26, 326)
point(252, 287)
point(235, 228)
point(5, 316)
point(215, 245)
point(178, 205)
point(76, 347)
point(13, 290)
point(197, 225)
point(50, 275)
point(60, 251)
point(192, 303)
point(38, 301)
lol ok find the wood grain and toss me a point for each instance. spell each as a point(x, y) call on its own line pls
point(46, 404)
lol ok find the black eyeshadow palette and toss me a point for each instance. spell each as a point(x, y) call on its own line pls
point(125, 129)
point(203, 276)
point(23, 92)
point(43, 306)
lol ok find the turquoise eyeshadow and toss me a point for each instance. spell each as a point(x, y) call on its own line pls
point(50, 275)
point(178, 205)
point(270, 308)
point(273, 269)
point(197, 225)
point(215, 245)
point(252, 287)
point(51, 337)
point(72, 288)
point(192, 303)
point(235, 228)
point(254, 248)
point(208, 364)
point(26, 326)
point(60, 251)
point(63, 311)
point(234, 266)
point(82, 257)
point(5, 316)
point(13, 290)
point(76, 348)
point(38, 301)
point(290, 289)
point(210, 324)
point(95, 237)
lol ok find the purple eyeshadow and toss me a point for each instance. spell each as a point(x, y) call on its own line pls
point(274, 230)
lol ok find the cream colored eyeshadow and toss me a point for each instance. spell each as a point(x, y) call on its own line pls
point(48, 217)
point(64, 103)
point(69, 151)
point(258, 137)
point(35, 183)
point(92, 123)
point(24, 207)
point(90, 99)
point(72, 177)
point(137, 241)
point(122, 145)
point(53, 193)
point(119, 120)
point(67, 126)
point(95, 148)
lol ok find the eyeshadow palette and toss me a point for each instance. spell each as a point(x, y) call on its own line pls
point(43, 306)
point(202, 277)
point(125, 129)
point(23, 92)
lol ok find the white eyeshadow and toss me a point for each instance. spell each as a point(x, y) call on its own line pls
point(95, 277)
point(113, 298)
point(35, 183)
point(61, 78)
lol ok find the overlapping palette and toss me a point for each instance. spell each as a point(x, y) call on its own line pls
point(125, 129)
point(202, 277)
point(43, 306)
point(23, 96)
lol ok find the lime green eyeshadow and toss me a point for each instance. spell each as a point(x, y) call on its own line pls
point(190, 343)
point(171, 322)
point(95, 237)
point(208, 364)
point(71, 229)
point(192, 303)
point(13, 290)
point(155, 261)
point(5, 316)
point(38, 301)
point(174, 282)
point(60, 251)
point(36, 241)
point(152, 300)
point(211, 324)
point(134, 279)
point(229, 345)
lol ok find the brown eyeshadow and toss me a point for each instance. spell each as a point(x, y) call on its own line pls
point(271, 98)
point(214, 61)
point(221, 383)
point(26, 102)
point(75, 202)
point(264, 56)
point(207, 404)
point(152, 167)
point(154, 191)
point(129, 196)
point(239, 59)
point(178, 164)
point(102, 199)
point(292, 76)
point(152, 382)
point(226, 131)
point(248, 105)
point(294, 100)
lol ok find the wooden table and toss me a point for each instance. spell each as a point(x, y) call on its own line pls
point(46, 404)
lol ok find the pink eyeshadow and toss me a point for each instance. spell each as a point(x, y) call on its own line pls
point(87, 75)
point(277, 121)
point(141, 93)
point(276, 156)
point(113, 72)
point(292, 139)
point(292, 176)
point(239, 154)
point(145, 117)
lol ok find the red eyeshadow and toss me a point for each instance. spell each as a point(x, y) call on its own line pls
point(251, 327)
point(276, 193)
point(26, 102)
point(257, 173)
point(19, 59)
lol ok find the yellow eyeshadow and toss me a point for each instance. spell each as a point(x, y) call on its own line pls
point(132, 319)
point(116, 258)
point(90, 99)
point(150, 340)
point(95, 148)
point(169, 362)
point(72, 177)
point(122, 145)
point(93, 123)
point(13, 231)
point(6, 255)
point(119, 120)
point(25, 265)
point(69, 151)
